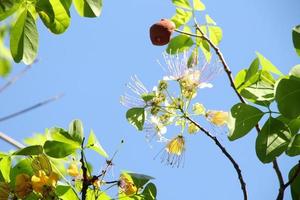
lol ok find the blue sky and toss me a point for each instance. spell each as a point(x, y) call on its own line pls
point(94, 59)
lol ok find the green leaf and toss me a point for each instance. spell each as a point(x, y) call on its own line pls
point(148, 97)
point(294, 146)
point(253, 69)
point(193, 59)
point(92, 194)
point(54, 14)
point(182, 3)
point(5, 166)
point(272, 140)
point(30, 151)
point(209, 20)
point(136, 117)
point(138, 179)
point(287, 95)
point(58, 149)
point(267, 65)
point(215, 34)
point(76, 130)
point(296, 38)
point(24, 38)
point(259, 93)
point(65, 192)
point(179, 44)
point(150, 192)
point(88, 8)
point(198, 5)
point(5, 67)
point(94, 144)
point(205, 48)
point(181, 17)
point(295, 71)
point(242, 119)
point(62, 135)
point(295, 184)
point(8, 7)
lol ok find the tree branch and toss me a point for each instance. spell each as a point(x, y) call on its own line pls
point(225, 152)
point(85, 181)
point(42, 103)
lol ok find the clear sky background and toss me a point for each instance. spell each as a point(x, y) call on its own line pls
point(94, 59)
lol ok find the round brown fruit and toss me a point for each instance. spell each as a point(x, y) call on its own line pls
point(160, 32)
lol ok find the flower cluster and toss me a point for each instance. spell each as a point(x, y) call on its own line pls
point(165, 105)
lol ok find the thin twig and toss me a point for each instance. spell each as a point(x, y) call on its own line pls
point(11, 141)
point(225, 152)
point(85, 181)
point(14, 78)
point(42, 103)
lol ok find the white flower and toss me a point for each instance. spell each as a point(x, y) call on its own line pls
point(137, 89)
point(155, 128)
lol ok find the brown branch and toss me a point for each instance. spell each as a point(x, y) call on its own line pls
point(42, 103)
point(225, 152)
point(85, 181)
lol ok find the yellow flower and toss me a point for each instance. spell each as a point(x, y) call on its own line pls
point(192, 128)
point(4, 191)
point(41, 180)
point(174, 151)
point(73, 170)
point(198, 109)
point(218, 118)
point(127, 186)
point(23, 185)
point(176, 145)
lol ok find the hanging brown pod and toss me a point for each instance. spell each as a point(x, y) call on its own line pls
point(160, 32)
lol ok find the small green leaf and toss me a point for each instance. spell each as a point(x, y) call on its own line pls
point(205, 48)
point(5, 166)
point(94, 144)
point(62, 135)
point(242, 119)
point(215, 34)
point(65, 192)
point(209, 20)
point(272, 140)
point(295, 71)
point(88, 8)
point(253, 69)
point(54, 14)
point(5, 67)
point(76, 130)
point(295, 185)
point(136, 117)
point(287, 95)
point(24, 38)
point(179, 44)
point(296, 38)
point(150, 192)
point(294, 146)
point(30, 151)
point(193, 59)
point(198, 5)
point(181, 17)
point(96, 195)
point(182, 3)
point(57, 149)
point(148, 97)
point(267, 65)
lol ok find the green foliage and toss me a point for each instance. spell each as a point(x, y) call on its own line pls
point(288, 97)
point(272, 140)
point(94, 144)
point(54, 14)
point(243, 118)
point(88, 8)
point(76, 130)
point(30, 150)
point(24, 38)
point(8, 7)
point(182, 3)
point(181, 17)
point(58, 149)
point(198, 5)
point(5, 163)
point(296, 38)
point(65, 192)
point(179, 44)
point(267, 65)
point(295, 184)
point(294, 146)
point(136, 117)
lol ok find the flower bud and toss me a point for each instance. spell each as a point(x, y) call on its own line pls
point(160, 32)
